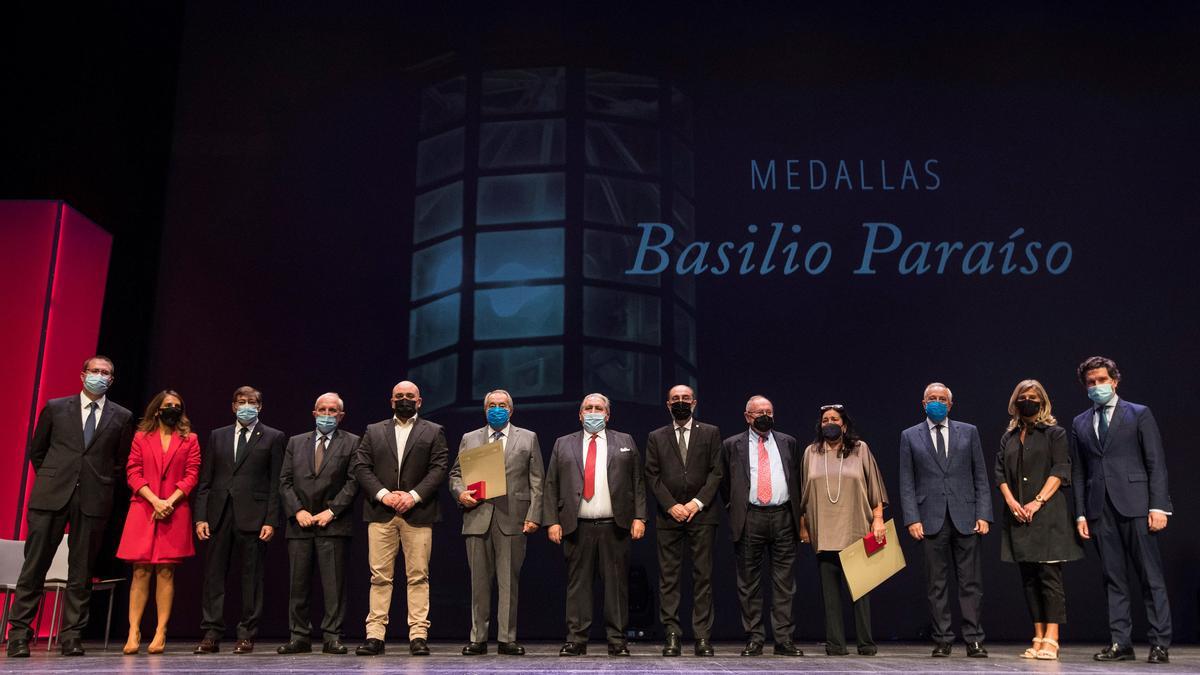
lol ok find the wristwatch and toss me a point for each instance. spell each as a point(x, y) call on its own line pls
point(1039, 499)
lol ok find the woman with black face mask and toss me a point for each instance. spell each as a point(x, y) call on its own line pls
point(1037, 532)
point(844, 496)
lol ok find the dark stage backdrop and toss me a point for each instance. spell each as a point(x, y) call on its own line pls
point(478, 199)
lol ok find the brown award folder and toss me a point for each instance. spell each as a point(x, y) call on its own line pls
point(484, 464)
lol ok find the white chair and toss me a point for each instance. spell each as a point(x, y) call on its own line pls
point(12, 556)
point(56, 582)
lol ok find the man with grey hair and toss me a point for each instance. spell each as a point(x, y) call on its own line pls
point(318, 493)
point(947, 505)
point(594, 504)
point(495, 527)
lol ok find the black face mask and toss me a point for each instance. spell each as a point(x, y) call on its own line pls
point(1028, 408)
point(831, 432)
point(681, 410)
point(405, 408)
point(170, 416)
point(763, 423)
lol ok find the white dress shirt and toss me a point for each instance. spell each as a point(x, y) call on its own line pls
point(687, 439)
point(84, 412)
point(402, 430)
point(600, 505)
point(933, 433)
point(237, 432)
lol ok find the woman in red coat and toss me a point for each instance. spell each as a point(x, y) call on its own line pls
point(164, 464)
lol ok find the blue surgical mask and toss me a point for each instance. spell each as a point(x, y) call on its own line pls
point(247, 413)
point(1101, 394)
point(326, 423)
point(593, 423)
point(497, 417)
point(937, 410)
point(96, 384)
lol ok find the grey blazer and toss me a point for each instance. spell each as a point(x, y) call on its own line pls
point(523, 471)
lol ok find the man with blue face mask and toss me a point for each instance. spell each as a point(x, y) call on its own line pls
point(318, 493)
point(237, 507)
point(947, 506)
point(1119, 472)
point(595, 503)
point(495, 527)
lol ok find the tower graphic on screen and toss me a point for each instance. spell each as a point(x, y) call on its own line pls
point(530, 185)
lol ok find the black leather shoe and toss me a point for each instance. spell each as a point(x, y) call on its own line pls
point(18, 649)
point(372, 647)
point(704, 647)
point(753, 648)
point(1158, 654)
point(207, 646)
point(418, 647)
point(1115, 652)
point(573, 649)
point(334, 647)
point(941, 650)
point(618, 649)
point(835, 651)
point(788, 648)
point(244, 647)
point(510, 649)
point(976, 650)
point(72, 647)
point(672, 648)
point(295, 647)
point(475, 649)
point(868, 650)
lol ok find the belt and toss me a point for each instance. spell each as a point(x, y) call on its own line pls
point(596, 521)
point(769, 509)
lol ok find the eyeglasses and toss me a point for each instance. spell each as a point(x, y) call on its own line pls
point(832, 406)
point(99, 371)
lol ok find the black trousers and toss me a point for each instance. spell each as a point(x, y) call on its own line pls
point(944, 550)
point(597, 542)
point(45, 534)
point(833, 580)
point(672, 543)
point(224, 541)
point(1044, 594)
point(768, 532)
point(1119, 540)
point(330, 556)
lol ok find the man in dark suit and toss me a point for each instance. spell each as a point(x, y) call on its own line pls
point(761, 489)
point(400, 463)
point(318, 492)
point(237, 506)
point(947, 505)
point(78, 451)
point(495, 527)
point(684, 470)
point(595, 504)
point(1121, 500)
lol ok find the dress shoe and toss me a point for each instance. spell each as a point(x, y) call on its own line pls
point(1158, 654)
point(510, 649)
point(207, 646)
point(418, 647)
point(704, 647)
point(293, 647)
point(132, 644)
point(941, 649)
point(868, 650)
point(618, 649)
point(475, 649)
point(72, 647)
point(672, 648)
point(372, 647)
point(788, 648)
point(573, 649)
point(835, 651)
point(159, 644)
point(1115, 652)
point(753, 648)
point(18, 649)
point(976, 650)
point(334, 647)
point(243, 647)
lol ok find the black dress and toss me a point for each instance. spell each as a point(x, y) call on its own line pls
point(1051, 536)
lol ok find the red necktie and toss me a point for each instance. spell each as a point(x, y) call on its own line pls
point(764, 472)
point(589, 471)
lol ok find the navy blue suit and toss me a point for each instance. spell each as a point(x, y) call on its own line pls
point(947, 494)
point(1117, 483)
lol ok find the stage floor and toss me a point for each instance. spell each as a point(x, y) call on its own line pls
point(543, 657)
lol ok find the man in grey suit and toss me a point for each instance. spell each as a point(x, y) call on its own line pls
point(595, 502)
point(318, 492)
point(495, 527)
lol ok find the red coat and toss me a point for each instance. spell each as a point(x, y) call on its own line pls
point(144, 538)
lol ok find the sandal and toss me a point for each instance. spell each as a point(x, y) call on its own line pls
point(1031, 652)
point(1046, 654)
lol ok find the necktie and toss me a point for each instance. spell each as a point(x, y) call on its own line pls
point(682, 444)
point(497, 435)
point(589, 471)
point(241, 444)
point(941, 441)
point(1102, 423)
point(319, 453)
point(764, 472)
point(89, 427)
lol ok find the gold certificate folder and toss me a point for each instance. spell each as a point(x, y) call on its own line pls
point(484, 464)
point(865, 572)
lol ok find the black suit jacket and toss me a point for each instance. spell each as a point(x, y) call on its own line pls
point(250, 486)
point(564, 481)
point(425, 462)
point(333, 488)
point(61, 461)
point(673, 483)
point(735, 488)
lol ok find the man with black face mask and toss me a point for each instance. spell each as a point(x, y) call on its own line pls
point(399, 464)
point(684, 470)
point(761, 490)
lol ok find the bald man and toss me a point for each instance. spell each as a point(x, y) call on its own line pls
point(399, 464)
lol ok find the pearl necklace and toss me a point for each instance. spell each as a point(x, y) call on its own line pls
point(841, 460)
